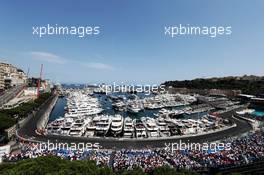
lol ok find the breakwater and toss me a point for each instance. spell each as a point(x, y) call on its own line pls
point(44, 118)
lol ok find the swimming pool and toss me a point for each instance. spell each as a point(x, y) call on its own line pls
point(258, 113)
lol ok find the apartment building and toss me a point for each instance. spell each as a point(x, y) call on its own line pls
point(2, 79)
point(11, 76)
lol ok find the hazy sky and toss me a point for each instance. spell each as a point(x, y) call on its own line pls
point(131, 46)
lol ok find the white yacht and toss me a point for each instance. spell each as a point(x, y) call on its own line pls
point(103, 125)
point(134, 106)
point(117, 124)
point(80, 104)
point(79, 127)
point(54, 127)
point(151, 126)
point(163, 127)
point(167, 100)
point(171, 113)
point(119, 106)
point(174, 125)
point(90, 128)
point(129, 128)
point(65, 128)
point(140, 129)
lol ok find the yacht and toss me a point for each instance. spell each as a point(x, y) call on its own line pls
point(65, 129)
point(80, 104)
point(76, 131)
point(117, 124)
point(54, 127)
point(174, 126)
point(79, 127)
point(163, 127)
point(171, 113)
point(173, 129)
point(119, 106)
point(151, 126)
point(103, 125)
point(188, 127)
point(140, 130)
point(129, 128)
point(166, 100)
point(90, 128)
point(134, 106)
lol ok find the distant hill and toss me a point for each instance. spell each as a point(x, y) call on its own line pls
point(249, 84)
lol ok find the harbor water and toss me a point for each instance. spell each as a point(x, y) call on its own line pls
point(58, 110)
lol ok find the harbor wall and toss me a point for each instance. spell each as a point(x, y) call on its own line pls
point(44, 118)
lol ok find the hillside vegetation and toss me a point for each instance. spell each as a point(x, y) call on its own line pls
point(247, 84)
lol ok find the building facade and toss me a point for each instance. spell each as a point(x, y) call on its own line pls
point(2, 79)
point(11, 76)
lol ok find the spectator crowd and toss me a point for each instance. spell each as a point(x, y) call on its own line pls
point(244, 150)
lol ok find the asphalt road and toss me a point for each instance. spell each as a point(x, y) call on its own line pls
point(28, 132)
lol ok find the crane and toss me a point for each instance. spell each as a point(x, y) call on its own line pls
point(39, 81)
point(28, 71)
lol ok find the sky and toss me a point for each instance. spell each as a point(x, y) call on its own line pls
point(132, 46)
